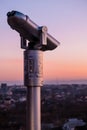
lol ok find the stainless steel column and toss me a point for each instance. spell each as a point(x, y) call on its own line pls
point(33, 111)
point(33, 79)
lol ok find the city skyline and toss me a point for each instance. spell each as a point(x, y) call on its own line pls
point(66, 21)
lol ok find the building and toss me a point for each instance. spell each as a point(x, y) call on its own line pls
point(72, 123)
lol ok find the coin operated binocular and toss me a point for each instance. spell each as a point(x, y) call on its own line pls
point(35, 40)
point(37, 36)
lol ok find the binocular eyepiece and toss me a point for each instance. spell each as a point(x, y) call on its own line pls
point(28, 30)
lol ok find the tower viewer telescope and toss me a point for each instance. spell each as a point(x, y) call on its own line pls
point(38, 41)
point(31, 31)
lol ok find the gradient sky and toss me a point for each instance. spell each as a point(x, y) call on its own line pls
point(66, 21)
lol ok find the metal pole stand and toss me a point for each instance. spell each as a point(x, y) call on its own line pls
point(33, 79)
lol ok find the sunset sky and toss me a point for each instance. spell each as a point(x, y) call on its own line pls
point(66, 21)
